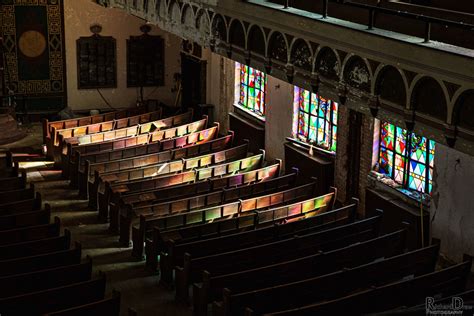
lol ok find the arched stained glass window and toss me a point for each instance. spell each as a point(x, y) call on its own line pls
point(252, 84)
point(407, 158)
point(317, 119)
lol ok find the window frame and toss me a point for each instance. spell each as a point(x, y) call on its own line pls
point(239, 86)
point(407, 157)
point(327, 124)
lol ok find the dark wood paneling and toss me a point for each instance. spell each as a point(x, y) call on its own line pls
point(246, 129)
point(396, 212)
point(317, 166)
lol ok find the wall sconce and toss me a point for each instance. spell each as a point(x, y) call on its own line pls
point(342, 92)
point(374, 105)
point(95, 28)
point(268, 66)
point(315, 82)
point(450, 135)
point(290, 72)
point(409, 119)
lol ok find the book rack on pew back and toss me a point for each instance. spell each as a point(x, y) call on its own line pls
point(110, 161)
point(121, 148)
point(113, 192)
point(145, 210)
point(102, 141)
point(265, 254)
point(237, 180)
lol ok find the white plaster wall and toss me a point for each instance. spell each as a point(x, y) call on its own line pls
point(452, 206)
point(220, 86)
point(279, 117)
point(78, 16)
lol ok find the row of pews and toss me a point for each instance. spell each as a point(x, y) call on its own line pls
point(41, 271)
point(229, 232)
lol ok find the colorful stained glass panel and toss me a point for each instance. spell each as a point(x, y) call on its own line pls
point(406, 157)
point(321, 127)
point(252, 87)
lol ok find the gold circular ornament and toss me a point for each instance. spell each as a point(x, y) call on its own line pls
point(32, 44)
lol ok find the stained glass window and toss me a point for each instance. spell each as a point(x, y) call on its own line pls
point(317, 119)
point(252, 84)
point(406, 157)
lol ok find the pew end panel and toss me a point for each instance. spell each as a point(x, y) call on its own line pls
point(218, 309)
point(138, 236)
point(201, 295)
point(182, 279)
point(82, 178)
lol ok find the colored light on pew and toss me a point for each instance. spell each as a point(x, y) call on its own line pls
point(160, 170)
point(159, 124)
point(35, 164)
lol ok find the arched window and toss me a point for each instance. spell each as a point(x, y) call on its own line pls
point(251, 85)
point(407, 158)
point(317, 119)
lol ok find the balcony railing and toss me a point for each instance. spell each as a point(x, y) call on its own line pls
point(451, 27)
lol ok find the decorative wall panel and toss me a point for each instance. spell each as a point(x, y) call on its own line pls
point(33, 34)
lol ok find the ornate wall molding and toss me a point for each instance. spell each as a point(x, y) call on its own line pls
point(421, 85)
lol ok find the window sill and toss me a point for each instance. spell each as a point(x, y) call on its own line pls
point(320, 155)
point(307, 147)
point(384, 184)
point(249, 114)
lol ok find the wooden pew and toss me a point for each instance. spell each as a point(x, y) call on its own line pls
point(145, 212)
point(206, 292)
point(309, 290)
point(113, 192)
point(30, 233)
point(17, 195)
point(316, 264)
point(174, 167)
point(21, 206)
point(178, 143)
point(408, 292)
point(36, 247)
point(41, 262)
point(13, 183)
point(108, 306)
point(55, 299)
point(88, 175)
point(170, 192)
point(109, 150)
point(74, 132)
point(48, 136)
point(237, 225)
point(227, 210)
point(176, 252)
point(26, 219)
point(220, 157)
point(24, 283)
point(68, 146)
point(266, 254)
point(10, 168)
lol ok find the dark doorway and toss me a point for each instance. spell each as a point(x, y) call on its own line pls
point(193, 82)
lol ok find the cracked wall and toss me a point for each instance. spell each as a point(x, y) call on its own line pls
point(452, 205)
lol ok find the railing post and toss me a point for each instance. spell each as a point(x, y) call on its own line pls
point(371, 19)
point(325, 9)
point(427, 32)
point(287, 4)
